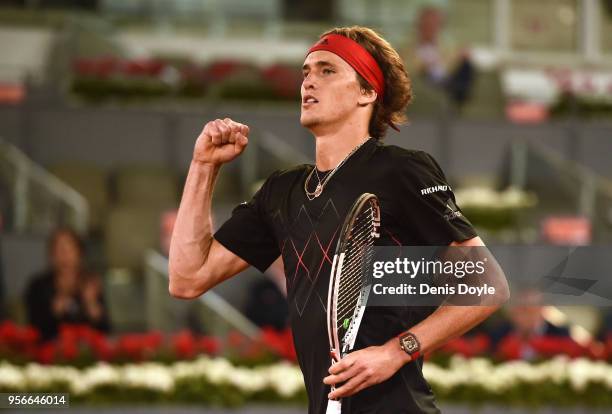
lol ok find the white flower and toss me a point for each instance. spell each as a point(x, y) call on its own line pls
point(218, 370)
point(11, 376)
point(96, 376)
point(579, 374)
point(245, 379)
point(149, 375)
point(39, 376)
point(287, 380)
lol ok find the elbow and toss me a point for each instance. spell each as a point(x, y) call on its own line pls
point(502, 295)
point(179, 292)
point(183, 288)
point(504, 292)
point(499, 297)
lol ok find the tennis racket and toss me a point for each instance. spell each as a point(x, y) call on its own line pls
point(349, 282)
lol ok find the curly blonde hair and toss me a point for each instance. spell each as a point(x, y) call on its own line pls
point(391, 109)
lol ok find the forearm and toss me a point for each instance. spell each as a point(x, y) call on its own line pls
point(192, 234)
point(449, 322)
point(446, 323)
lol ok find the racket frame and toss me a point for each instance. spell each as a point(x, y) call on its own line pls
point(348, 340)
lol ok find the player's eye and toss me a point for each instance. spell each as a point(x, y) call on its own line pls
point(327, 71)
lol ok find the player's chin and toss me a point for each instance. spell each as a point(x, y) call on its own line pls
point(308, 121)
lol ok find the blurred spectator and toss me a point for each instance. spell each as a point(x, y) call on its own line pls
point(520, 335)
point(65, 293)
point(2, 291)
point(5, 207)
point(167, 226)
point(605, 331)
point(441, 66)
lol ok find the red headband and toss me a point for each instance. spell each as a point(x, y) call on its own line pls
point(355, 55)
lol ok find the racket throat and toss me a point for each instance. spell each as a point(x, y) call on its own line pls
point(351, 335)
point(332, 298)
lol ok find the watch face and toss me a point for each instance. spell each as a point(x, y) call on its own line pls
point(410, 344)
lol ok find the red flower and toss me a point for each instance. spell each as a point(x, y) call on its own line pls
point(101, 67)
point(69, 332)
point(84, 67)
point(131, 346)
point(285, 80)
point(46, 353)
point(222, 69)
point(68, 350)
point(142, 67)
point(106, 66)
point(193, 73)
point(153, 341)
point(235, 339)
point(29, 335)
point(100, 346)
point(510, 348)
point(281, 342)
point(8, 332)
point(209, 345)
point(550, 346)
point(253, 350)
point(139, 346)
point(468, 346)
point(184, 344)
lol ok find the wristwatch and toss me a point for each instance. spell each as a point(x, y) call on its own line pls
point(410, 345)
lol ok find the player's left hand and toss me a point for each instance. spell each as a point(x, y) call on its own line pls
point(364, 368)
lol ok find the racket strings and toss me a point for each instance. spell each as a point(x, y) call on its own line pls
point(356, 258)
point(357, 266)
point(348, 301)
point(346, 304)
point(361, 239)
point(358, 254)
point(352, 279)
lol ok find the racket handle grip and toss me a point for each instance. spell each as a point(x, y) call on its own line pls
point(333, 407)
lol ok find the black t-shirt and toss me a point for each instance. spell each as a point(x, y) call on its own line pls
point(417, 208)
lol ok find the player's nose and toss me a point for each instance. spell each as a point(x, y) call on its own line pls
point(308, 83)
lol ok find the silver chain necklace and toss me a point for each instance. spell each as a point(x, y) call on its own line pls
point(321, 185)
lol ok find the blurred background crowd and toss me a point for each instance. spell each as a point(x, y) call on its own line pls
point(101, 102)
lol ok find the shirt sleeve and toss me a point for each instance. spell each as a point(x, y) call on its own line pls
point(248, 233)
point(428, 201)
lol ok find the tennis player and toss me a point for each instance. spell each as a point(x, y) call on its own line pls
point(354, 88)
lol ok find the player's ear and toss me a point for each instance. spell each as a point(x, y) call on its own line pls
point(367, 97)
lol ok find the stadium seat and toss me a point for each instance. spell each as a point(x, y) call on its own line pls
point(125, 299)
point(427, 101)
point(129, 232)
point(91, 182)
point(146, 186)
point(487, 100)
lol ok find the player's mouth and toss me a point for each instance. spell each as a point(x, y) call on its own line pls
point(308, 101)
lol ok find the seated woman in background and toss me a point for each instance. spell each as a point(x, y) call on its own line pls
point(65, 293)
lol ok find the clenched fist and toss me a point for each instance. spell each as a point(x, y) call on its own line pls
point(221, 141)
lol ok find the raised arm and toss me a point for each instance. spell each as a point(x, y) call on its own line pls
point(197, 261)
